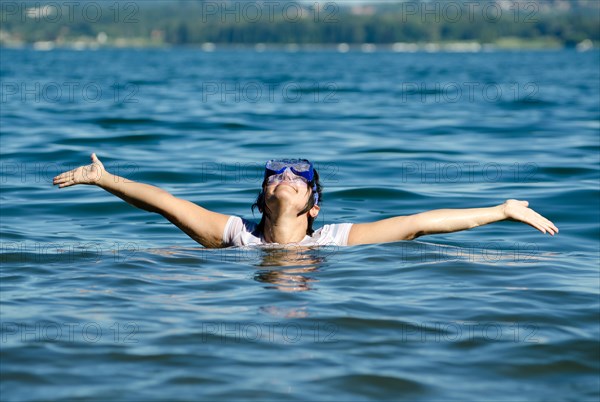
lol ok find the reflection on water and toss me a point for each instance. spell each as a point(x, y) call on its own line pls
point(289, 267)
point(299, 262)
point(288, 279)
point(279, 312)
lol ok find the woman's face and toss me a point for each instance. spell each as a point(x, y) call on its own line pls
point(287, 189)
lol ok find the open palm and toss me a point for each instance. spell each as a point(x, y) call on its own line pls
point(88, 174)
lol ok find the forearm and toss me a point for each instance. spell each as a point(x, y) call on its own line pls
point(453, 220)
point(140, 195)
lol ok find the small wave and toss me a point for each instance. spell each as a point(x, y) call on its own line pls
point(146, 82)
point(325, 89)
point(374, 193)
point(121, 139)
point(561, 367)
point(528, 103)
point(423, 91)
point(374, 385)
point(24, 377)
point(118, 122)
point(571, 171)
point(121, 121)
point(193, 380)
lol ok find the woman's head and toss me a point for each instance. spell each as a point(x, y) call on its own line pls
point(290, 184)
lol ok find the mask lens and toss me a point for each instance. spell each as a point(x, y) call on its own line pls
point(300, 167)
point(287, 176)
point(276, 165)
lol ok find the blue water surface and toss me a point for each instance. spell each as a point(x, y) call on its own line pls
point(100, 300)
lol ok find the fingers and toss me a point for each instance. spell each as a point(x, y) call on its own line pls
point(534, 219)
point(67, 184)
point(547, 224)
point(551, 227)
point(62, 179)
point(65, 179)
point(544, 225)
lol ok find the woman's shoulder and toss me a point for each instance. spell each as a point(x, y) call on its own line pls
point(239, 230)
point(333, 234)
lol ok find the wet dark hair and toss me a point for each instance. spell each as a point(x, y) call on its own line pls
point(262, 206)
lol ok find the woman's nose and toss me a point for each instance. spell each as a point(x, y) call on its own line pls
point(287, 173)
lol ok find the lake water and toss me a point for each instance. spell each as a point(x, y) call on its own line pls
point(100, 300)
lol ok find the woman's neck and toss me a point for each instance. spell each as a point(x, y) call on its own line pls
point(284, 229)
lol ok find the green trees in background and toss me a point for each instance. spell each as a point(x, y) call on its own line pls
point(187, 22)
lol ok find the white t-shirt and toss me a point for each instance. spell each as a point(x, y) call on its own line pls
point(241, 232)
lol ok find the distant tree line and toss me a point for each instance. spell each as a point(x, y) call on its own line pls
point(242, 22)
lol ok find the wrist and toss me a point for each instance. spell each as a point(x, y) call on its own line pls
point(501, 210)
point(104, 180)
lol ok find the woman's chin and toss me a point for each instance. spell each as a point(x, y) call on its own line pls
point(285, 184)
point(285, 190)
point(283, 195)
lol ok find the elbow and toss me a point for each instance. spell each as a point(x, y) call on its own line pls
point(414, 222)
point(413, 236)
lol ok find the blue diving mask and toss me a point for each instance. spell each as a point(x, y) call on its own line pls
point(277, 170)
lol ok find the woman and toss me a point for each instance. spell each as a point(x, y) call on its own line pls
point(290, 201)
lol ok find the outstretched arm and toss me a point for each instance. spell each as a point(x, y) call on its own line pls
point(446, 221)
point(204, 226)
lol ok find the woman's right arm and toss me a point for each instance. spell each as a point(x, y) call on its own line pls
point(204, 226)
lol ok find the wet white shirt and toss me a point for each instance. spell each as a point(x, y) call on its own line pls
point(241, 232)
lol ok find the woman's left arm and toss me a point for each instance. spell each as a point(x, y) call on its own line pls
point(446, 221)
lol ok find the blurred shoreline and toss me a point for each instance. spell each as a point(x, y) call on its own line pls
point(405, 26)
point(513, 44)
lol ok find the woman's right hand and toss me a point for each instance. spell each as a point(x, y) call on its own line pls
point(88, 174)
point(519, 211)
